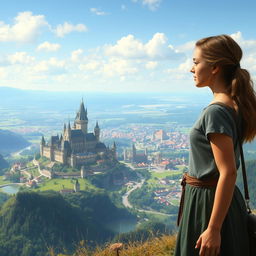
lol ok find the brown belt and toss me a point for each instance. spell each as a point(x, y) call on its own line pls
point(187, 179)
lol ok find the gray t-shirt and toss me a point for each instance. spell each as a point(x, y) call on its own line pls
point(214, 119)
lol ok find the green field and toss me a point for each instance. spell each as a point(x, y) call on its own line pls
point(162, 175)
point(2, 181)
point(59, 184)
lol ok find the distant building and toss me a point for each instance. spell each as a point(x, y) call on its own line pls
point(134, 157)
point(160, 135)
point(76, 146)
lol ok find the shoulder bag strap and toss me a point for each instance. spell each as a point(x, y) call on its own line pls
point(246, 190)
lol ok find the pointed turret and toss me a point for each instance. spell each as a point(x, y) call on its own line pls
point(82, 113)
point(43, 141)
point(97, 132)
point(81, 121)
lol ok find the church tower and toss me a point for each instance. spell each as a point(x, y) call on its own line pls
point(133, 153)
point(81, 121)
point(97, 132)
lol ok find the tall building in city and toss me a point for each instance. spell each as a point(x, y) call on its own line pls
point(76, 146)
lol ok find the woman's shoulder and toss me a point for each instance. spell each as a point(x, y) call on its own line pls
point(219, 109)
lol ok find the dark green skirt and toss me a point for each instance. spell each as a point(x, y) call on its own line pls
point(197, 209)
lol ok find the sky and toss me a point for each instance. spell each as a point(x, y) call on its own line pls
point(115, 45)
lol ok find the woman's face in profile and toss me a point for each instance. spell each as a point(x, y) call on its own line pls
point(201, 69)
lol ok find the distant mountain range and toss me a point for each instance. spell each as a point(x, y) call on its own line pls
point(11, 142)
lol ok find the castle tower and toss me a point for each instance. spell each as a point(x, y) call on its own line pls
point(97, 132)
point(81, 121)
point(67, 132)
point(42, 145)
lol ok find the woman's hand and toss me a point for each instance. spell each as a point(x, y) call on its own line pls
point(209, 242)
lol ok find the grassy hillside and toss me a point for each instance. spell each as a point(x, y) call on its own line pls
point(31, 223)
point(158, 246)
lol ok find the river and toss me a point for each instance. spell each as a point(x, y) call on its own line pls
point(10, 189)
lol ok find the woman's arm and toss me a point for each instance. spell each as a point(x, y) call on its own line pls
point(223, 152)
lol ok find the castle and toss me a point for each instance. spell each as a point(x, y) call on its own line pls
point(76, 147)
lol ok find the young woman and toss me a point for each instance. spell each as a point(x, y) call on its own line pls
point(213, 220)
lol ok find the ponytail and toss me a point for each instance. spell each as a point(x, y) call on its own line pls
point(243, 94)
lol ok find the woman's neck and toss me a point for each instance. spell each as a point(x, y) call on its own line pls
point(224, 98)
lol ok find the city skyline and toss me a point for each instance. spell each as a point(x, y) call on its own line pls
point(114, 46)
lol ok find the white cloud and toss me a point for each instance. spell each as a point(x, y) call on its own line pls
point(151, 65)
point(52, 66)
point(157, 48)
point(46, 46)
point(26, 28)
point(77, 55)
point(66, 28)
point(2, 73)
point(20, 58)
point(249, 54)
point(98, 12)
point(182, 71)
point(118, 67)
point(151, 4)
point(187, 47)
point(91, 65)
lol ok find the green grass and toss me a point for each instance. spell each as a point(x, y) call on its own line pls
point(162, 175)
point(2, 181)
point(58, 184)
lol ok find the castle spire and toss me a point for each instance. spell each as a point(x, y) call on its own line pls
point(82, 113)
point(43, 141)
point(97, 132)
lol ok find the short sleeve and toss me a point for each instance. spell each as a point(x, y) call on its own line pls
point(218, 120)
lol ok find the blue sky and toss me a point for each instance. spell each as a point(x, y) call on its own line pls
point(115, 45)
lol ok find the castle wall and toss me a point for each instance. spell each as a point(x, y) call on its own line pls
point(78, 147)
point(58, 156)
point(86, 159)
point(90, 146)
point(47, 152)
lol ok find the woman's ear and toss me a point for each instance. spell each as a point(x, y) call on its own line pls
point(215, 70)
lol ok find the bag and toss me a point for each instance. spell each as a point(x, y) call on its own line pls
point(251, 224)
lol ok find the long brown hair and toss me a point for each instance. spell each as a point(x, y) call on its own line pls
point(224, 52)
